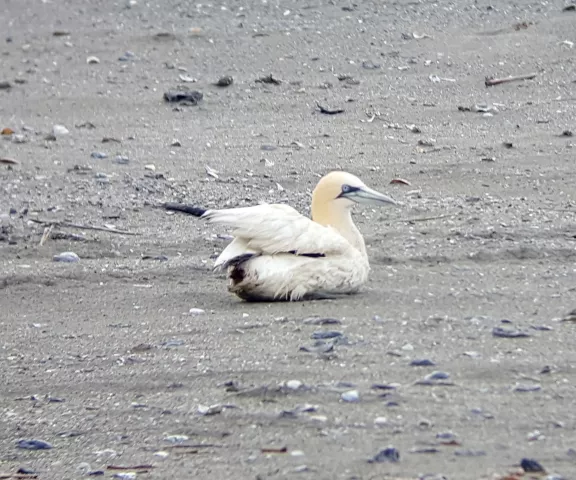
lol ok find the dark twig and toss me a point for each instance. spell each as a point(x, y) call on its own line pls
point(329, 111)
point(491, 81)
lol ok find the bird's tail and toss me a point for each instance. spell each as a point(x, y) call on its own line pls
point(185, 208)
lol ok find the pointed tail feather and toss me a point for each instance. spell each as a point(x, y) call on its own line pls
point(185, 208)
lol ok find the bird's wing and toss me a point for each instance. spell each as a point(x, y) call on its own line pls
point(270, 229)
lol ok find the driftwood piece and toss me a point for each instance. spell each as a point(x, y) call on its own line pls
point(491, 81)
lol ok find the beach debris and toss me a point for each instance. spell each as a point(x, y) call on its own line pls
point(492, 81)
point(321, 321)
point(274, 450)
point(33, 444)
point(422, 362)
point(569, 317)
point(224, 81)
point(351, 396)
point(400, 181)
point(531, 466)
point(66, 257)
point(184, 97)
point(329, 111)
point(389, 454)
point(268, 79)
point(503, 332)
point(9, 161)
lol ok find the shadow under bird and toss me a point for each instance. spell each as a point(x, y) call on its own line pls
point(279, 254)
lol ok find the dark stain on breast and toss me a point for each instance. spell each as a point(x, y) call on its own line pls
point(237, 274)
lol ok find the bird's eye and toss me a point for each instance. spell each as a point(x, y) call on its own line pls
point(346, 188)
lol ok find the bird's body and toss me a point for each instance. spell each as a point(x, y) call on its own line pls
point(279, 254)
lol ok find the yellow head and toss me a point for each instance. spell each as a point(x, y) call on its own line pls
point(340, 191)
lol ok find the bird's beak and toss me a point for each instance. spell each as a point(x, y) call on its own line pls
point(366, 195)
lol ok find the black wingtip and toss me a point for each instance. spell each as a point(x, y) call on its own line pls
point(184, 208)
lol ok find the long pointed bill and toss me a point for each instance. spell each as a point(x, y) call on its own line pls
point(368, 196)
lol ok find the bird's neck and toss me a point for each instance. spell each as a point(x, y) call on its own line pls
point(341, 220)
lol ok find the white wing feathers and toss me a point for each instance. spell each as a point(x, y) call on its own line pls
point(271, 229)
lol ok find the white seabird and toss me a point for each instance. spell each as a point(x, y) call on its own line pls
point(278, 254)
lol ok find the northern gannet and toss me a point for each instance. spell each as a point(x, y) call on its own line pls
point(280, 255)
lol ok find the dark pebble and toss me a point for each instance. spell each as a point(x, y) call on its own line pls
point(527, 388)
point(325, 334)
point(5, 85)
point(382, 386)
point(224, 81)
point(425, 450)
point(269, 79)
point(33, 445)
point(532, 466)
point(96, 473)
point(508, 333)
point(318, 348)
point(542, 328)
point(321, 321)
point(184, 97)
point(437, 376)
point(26, 471)
point(422, 362)
point(389, 454)
point(470, 453)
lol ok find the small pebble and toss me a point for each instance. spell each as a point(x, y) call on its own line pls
point(294, 384)
point(350, 396)
point(176, 438)
point(321, 321)
point(33, 445)
point(150, 167)
point(26, 471)
point(319, 348)
point(99, 155)
point(437, 375)
point(196, 311)
point(389, 454)
point(424, 362)
point(161, 454)
point(509, 333)
point(121, 160)
point(125, 475)
point(447, 437)
point(520, 387)
point(60, 130)
point(210, 410)
point(224, 81)
point(470, 453)
point(66, 257)
point(380, 421)
point(325, 334)
point(92, 60)
point(531, 466)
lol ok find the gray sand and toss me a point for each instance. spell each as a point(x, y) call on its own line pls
point(495, 237)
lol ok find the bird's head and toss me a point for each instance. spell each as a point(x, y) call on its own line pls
point(345, 190)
